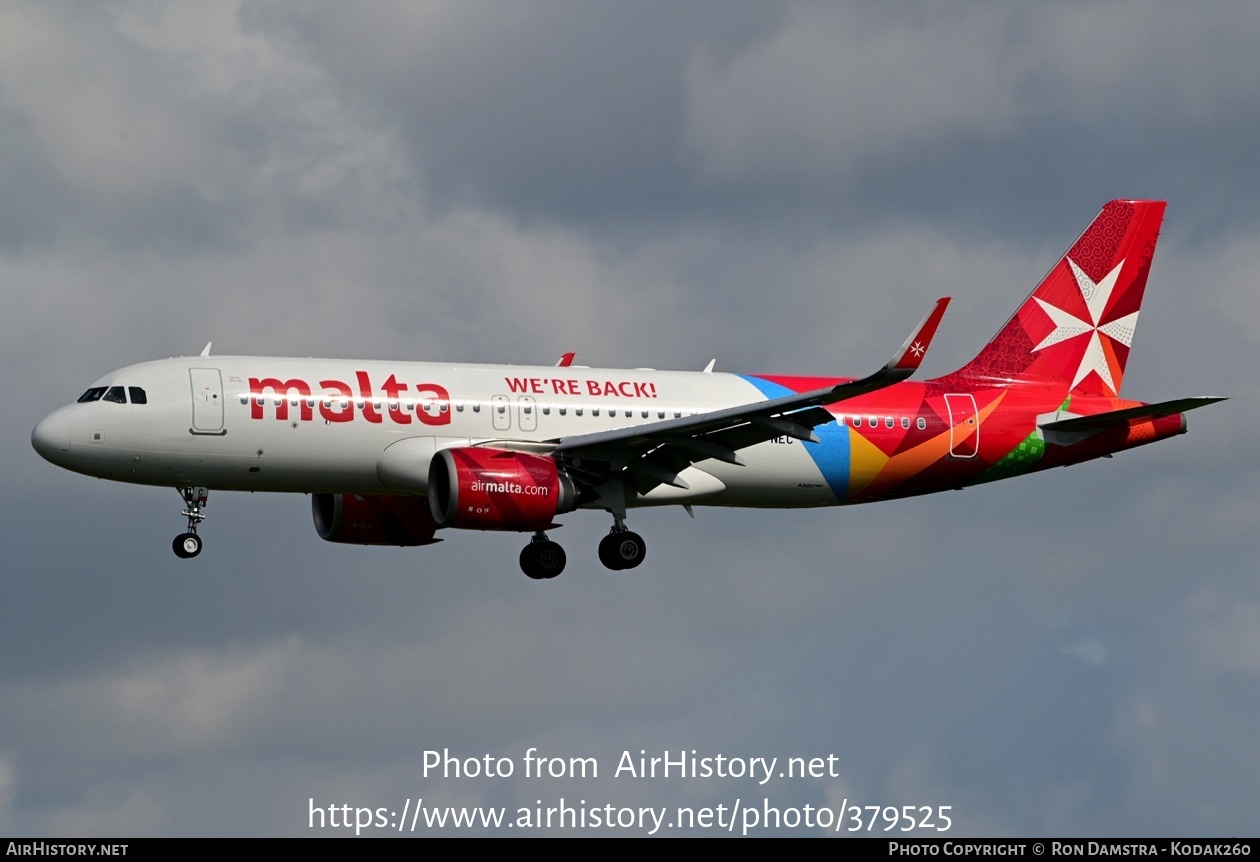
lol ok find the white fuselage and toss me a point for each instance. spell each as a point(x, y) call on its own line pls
point(250, 423)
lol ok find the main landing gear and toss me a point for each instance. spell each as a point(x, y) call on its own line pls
point(542, 558)
point(188, 545)
point(621, 549)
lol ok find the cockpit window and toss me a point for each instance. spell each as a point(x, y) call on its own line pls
point(115, 394)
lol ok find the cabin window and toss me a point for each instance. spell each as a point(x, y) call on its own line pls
point(905, 422)
point(594, 411)
point(888, 422)
point(872, 421)
point(921, 423)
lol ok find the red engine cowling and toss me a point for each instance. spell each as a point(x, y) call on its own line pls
point(375, 520)
point(492, 489)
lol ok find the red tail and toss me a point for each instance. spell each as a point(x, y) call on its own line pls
point(1078, 324)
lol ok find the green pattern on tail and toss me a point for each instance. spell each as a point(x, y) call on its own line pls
point(1019, 460)
point(1022, 457)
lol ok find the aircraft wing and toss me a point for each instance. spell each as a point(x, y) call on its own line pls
point(656, 453)
point(1128, 416)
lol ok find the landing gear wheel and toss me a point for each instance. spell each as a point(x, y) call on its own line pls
point(542, 560)
point(622, 550)
point(551, 559)
point(529, 562)
point(187, 545)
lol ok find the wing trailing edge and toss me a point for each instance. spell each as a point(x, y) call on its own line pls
point(656, 453)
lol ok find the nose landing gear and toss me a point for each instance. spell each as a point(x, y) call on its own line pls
point(188, 545)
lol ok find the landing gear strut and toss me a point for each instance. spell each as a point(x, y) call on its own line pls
point(621, 548)
point(542, 558)
point(188, 545)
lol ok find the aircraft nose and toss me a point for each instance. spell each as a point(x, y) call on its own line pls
point(51, 437)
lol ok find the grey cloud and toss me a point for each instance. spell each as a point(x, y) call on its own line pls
point(456, 181)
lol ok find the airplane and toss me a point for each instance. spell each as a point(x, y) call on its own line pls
point(393, 452)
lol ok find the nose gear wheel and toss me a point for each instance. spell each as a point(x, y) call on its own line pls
point(188, 545)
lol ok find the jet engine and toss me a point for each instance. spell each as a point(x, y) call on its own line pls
point(373, 520)
point(494, 489)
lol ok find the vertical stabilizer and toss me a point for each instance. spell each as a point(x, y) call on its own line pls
point(1078, 324)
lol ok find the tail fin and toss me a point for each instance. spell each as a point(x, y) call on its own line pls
point(1078, 324)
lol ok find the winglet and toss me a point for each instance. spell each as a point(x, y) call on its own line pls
point(205, 351)
point(566, 360)
point(907, 359)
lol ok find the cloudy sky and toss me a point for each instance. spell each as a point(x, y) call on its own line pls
point(783, 186)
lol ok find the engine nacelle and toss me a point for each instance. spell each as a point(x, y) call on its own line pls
point(493, 489)
point(374, 520)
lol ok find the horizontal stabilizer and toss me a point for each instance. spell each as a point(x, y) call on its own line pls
point(1128, 416)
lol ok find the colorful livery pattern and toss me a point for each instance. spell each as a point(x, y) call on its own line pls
point(1066, 346)
point(397, 452)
